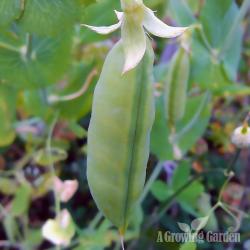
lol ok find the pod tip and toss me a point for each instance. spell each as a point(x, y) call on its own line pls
point(121, 234)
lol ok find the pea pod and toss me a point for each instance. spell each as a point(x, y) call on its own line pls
point(175, 93)
point(119, 135)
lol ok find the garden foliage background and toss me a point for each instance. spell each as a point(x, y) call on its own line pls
point(46, 56)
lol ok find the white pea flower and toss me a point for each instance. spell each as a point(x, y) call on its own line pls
point(241, 137)
point(132, 23)
point(65, 189)
point(60, 230)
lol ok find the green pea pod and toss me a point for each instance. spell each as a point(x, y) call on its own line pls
point(175, 93)
point(119, 136)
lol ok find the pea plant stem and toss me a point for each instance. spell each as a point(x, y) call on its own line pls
point(234, 160)
point(83, 90)
point(229, 172)
point(204, 39)
point(9, 47)
point(22, 9)
point(29, 45)
point(162, 209)
point(151, 180)
point(95, 221)
point(52, 167)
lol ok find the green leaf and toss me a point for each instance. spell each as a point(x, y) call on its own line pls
point(216, 20)
point(195, 121)
point(37, 62)
point(207, 70)
point(188, 246)
point(190, 195)
point(77, 129)
point(189, 130)
point(204, 207)
point(9, 9)
point(137, 218)
point(154, 4)
point(160, 145)
point(96, 240)
point(21, 200)
point(161, 190)
point(181, 12)
point(35, 103)
point(7, 115)
point(7, 186)
point(33, 238)
point(217, 29)
point(181, 175)
point(46, 17)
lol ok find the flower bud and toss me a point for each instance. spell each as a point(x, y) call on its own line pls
point(59, 231)
point(65, 189)
point(241, 137)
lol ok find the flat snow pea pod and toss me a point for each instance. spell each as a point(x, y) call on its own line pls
point(119, 135)
point(175, 93)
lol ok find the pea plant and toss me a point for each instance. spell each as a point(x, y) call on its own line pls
point(124, 122)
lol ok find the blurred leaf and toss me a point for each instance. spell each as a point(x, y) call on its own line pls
point(188, 198)
point(236, 89)
point(35, 103)
point(181, 175)
point(7, 115)
point(79, 131)
point(9, 10)
point(204, 206)
point(232, 56)
point(218, 28)
point(195, 121)
point(44, 157)
point(160, 134)
point(181, 12)
point(96, 240)
point(188, 246)
point(206, 70)
point(161, 190)
point(188, 131)
point(7, 186)
point(46, 17)
point(37, 62)
point(33, 238)
point(21, 201)
point(137, 219)
point(153, 3)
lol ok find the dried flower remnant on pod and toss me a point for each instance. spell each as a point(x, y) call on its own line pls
point(133, 20)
